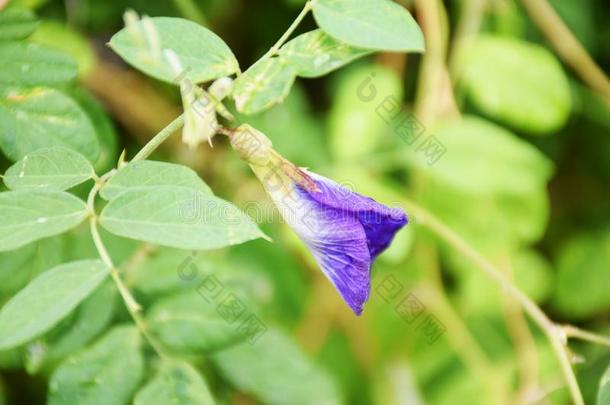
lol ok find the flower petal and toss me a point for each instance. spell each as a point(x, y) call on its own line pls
point(380, 222)
point(344, 230)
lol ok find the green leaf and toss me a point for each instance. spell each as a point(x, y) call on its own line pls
point(18, 267)
point(63, 37)
point(583, 276)
point(55, 168)
point(48, 299)
point(177, 384)
point(106, 373)
point(104, 128)
point(16, 23)
point(276, 372)
point(32, 119)
point(315, 54)
point(29, 215)
point(603, 394)
point(86, 322)
point(511, 199)
point(203, 55)
point(189, 324)
point(148, 174)
point(263, 85)
point(29, 64)
point(373, 24)
point(168, 271)
point(517, 166)
point(517, 82)
point(356, 127)
point(178, 217)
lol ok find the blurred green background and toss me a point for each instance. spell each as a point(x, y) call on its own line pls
point(524, 178)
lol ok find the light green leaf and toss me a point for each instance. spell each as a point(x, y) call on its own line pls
point(55, 168)
point(512, 199)
point(86, 322)
point(48, 299)
point(168, 271)
point(29, 64)
point(104, 128)
point(106, 373)
point(315, 54)
point(29, 215)
point(263, 85)
point(189, 324)
point(355, 124)
point(373, 24)
point(517, 166)
point(65, 38)
point(269, 369)
point(517, 82)
point(18, 267)
point(36, 118)
point(16, 23)
point(603, 394)
point(178, 217)
point(177, 384)
point(149, 174)
point(203, 55)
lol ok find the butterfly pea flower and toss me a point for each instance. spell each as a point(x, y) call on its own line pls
point(344, 231)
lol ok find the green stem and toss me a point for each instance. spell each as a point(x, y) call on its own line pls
point(159, 138)
point(550, 329)
point(276, 47)
point(577, 333)
point(130, 302)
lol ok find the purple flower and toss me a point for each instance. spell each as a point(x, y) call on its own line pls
point(344, 231)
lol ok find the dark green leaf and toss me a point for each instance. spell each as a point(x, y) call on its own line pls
point(31, 119)
point(189, 323)
point(18, 267)
point(583, 275)
point(89, 319)
point(16, 23)
point(603, 394)
point(277, 372)
point(48, 299)
point(106, 373)
point(176, 384)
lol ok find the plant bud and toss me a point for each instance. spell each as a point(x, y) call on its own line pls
point(221, 88)
point(200, 122)
point(251, 145)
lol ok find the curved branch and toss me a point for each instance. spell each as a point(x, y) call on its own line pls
point(567, 46)
point(552, 331)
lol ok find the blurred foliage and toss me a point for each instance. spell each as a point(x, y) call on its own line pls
point(524, 179)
